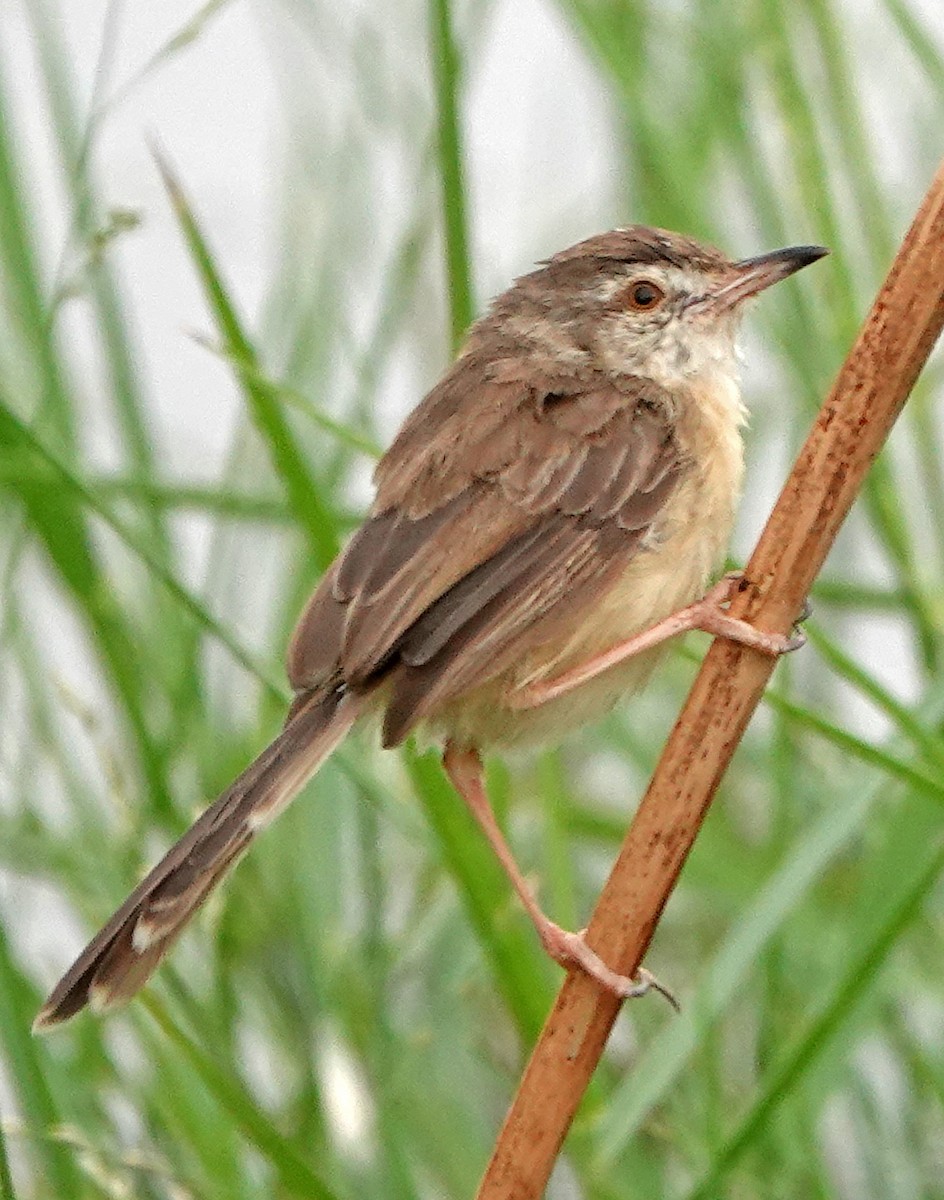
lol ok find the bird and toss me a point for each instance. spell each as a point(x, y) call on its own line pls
point(549, 515)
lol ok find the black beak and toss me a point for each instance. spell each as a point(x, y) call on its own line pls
point(752, 275)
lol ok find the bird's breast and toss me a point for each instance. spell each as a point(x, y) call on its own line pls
point(687, 541)
point(683, 549)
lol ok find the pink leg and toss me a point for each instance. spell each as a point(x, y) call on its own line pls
point(706, 614)
point(464, 768)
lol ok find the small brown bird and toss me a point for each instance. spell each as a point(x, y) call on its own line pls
point(545, 519)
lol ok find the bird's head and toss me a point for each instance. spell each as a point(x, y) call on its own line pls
point(642, 301)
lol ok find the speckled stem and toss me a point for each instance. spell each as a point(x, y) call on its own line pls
point(852, 426)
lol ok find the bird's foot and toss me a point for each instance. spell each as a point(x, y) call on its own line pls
point(571, 950)
point(710, 614)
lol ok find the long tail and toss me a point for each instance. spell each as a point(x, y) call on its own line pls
point(122, 956)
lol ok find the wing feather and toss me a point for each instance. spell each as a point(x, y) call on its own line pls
point(502, 508)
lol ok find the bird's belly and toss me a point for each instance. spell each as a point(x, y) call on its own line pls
point(678, 556)
point(664, 577)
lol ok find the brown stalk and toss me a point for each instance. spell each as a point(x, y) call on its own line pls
point(870, 391)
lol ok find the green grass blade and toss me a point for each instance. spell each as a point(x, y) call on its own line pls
point(15, 434)
point(893, 765)
point(444, 56)
point(30, 1074)
point(922, 44)
point(670, 1054)
point(928, 741)
point(59, 526)
point(301, 403)
point(6, 1179)
point(22, 288)
point(313, 516)
point(848, 991)
point(118, 353)
point(520, 968)
point(297, 1176)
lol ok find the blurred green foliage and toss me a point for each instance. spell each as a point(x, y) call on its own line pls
point(349, 1017)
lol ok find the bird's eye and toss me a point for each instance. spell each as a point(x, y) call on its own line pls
point(644, 295)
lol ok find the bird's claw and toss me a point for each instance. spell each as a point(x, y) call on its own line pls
point(571, 950)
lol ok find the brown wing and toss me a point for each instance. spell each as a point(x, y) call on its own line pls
point(500, 509)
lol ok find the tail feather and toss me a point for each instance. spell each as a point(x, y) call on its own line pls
point(122, 956)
